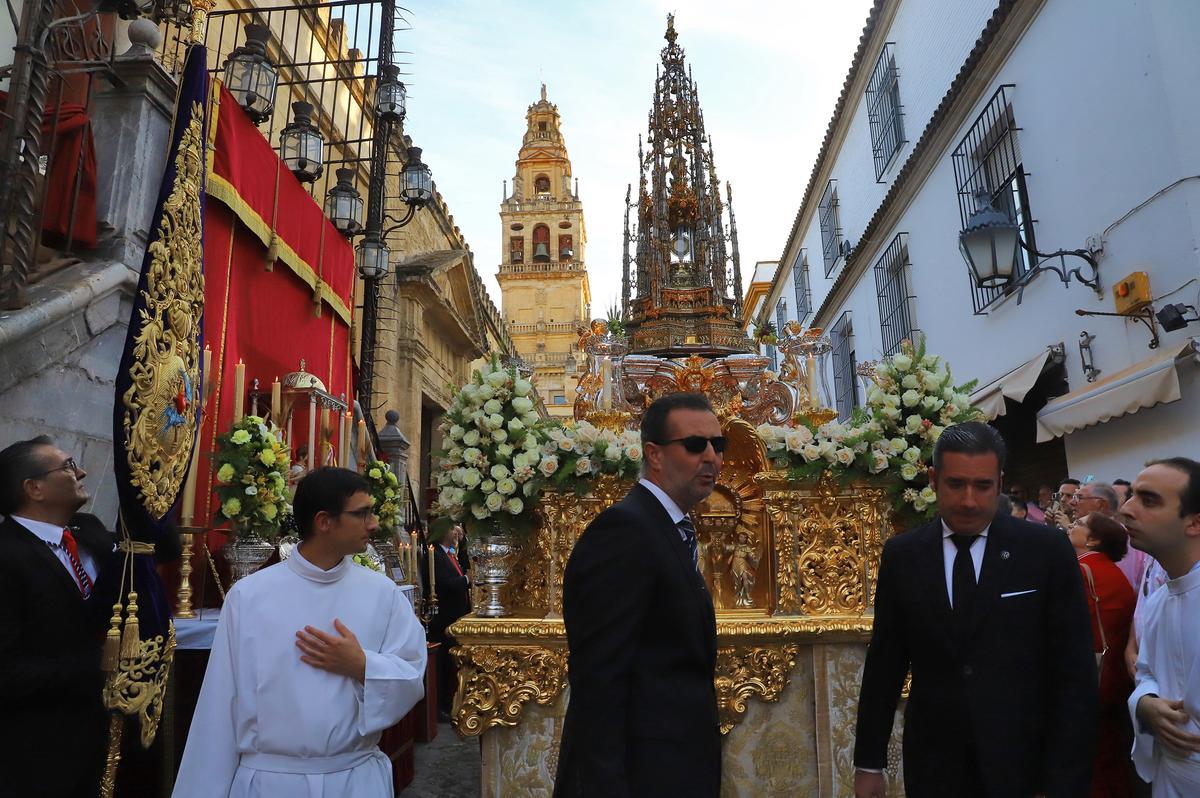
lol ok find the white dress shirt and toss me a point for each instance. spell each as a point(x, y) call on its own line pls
point(668, 504)
point(950, 551)
point(52, 535)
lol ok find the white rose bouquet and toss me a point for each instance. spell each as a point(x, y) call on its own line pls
point(252, 470)
point(891, 438)
point(488, 469)
point(578, 452)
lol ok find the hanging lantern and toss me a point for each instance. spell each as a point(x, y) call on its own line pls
point(990, 244)
point(417, 180)
point(344, 205)
point(682, 243)
point(301, 145)
point(372, 257)
point(390, 95)
point(250, 77)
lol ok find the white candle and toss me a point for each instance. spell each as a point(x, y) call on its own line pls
point(312, 430)
point(606, 384)
point(276, 402)
point(432, 578)
point(344, 439)
point(812, 380)
point(207, 376)
point(239, 390)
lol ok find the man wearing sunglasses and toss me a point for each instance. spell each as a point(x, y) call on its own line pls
point(312, 659)
point(642, 717)
point(50, 627)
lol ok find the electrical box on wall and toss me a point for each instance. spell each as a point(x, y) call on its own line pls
point(1132, 292)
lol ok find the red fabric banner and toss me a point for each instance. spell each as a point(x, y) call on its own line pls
point(265, 318)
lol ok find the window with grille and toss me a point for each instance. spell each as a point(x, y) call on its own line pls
point(988, 161)
point(781, 317)
point(883, 111)
point(774, 356)
point(892, 290)
point(845, 388)
point(800, 283)
point(831, 230)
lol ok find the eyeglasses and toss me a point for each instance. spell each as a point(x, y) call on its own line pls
point(68, 465)
point(697, 443)
point(362, 513)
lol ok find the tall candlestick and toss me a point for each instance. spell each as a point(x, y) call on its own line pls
point(276, 402)
point(239, 390)
point(344, 439)
point(412, 549)
point(188, 512)
point(206, 377)
point(432, 578)
point(312, 430)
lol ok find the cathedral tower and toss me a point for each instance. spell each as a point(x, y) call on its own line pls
point(543, 279)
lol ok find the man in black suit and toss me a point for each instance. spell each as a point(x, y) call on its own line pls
point(54, 727)
point(454, 601)
point(989, 614)
point(642, 717)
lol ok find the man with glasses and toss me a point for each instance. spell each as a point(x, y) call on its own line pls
point(53, 736)
point(642, 716)
point(313, 658)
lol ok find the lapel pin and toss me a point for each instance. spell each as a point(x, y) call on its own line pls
point(1004, 555)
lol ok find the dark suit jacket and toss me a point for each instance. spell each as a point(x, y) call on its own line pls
point(642, 717)
point(1018, 689)
point(453, 592)
point(53, 730)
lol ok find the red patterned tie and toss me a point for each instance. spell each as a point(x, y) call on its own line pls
point(81, 576)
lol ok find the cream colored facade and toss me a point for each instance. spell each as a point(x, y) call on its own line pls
point(543, 276)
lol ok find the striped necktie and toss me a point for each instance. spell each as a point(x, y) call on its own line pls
point(81, 576)
point(688, 532)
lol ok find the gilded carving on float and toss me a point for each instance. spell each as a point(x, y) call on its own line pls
point(759, 671)
point(498, 681)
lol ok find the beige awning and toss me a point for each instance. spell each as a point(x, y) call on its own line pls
point(1013, 385)
point(1144, 384)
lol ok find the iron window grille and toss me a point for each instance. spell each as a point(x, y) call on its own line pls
point(892, 291)
point(781, 317)
point(989, 159)
point(844, 365)
point(774, 356)
point(884, 111)
point(800, 284)
point(831, 230)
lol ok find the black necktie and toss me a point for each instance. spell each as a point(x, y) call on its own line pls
point(688, 531)
point(964, 578)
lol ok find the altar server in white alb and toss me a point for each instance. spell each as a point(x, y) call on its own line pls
point(313, 658)
point(1163, 519)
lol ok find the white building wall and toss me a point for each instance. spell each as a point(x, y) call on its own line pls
point(1105, 100)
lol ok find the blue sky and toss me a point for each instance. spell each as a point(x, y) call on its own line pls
point(768, 75)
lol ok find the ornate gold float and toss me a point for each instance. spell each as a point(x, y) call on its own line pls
point(791, 567)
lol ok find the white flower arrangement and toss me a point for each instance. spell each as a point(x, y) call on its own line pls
point(252, 466)
point(914, 398)
point(493, 450)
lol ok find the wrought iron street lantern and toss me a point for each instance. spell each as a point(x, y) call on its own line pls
point(372, 257)
point(344, 205)
point(250, 77)
point(390, 95)
point(301, 145)
point(417, 180)
point(989, 245)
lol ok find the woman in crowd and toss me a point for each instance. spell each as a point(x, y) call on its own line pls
point(1100, 542)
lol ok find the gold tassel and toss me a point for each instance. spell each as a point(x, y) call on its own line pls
point(110, 654)
point(131, 639)
point(272, 252)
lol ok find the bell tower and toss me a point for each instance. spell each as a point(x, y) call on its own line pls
point(543, 279)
